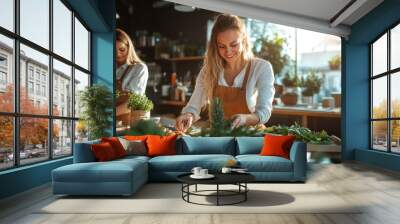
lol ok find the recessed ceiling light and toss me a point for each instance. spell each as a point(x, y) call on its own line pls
point(184, 8)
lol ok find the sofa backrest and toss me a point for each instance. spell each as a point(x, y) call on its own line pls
point(249, 145)
point(206, 145)
point(83, 153)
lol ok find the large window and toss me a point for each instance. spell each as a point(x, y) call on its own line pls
point(385, 94)
point(44, 63)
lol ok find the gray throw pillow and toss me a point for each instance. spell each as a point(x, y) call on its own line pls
point(137, 147)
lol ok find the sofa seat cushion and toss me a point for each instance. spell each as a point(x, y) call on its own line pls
point(185, 163)
point(257, 163)
point(112, 171)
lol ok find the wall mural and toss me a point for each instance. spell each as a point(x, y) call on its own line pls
point(203, 73)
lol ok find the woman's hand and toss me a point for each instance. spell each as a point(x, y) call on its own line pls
point(244, 119)
point(238, 120)
point(184, 121)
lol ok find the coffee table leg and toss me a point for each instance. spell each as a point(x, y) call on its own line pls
point(196, 188)
point(217, 194)
point(245, 191)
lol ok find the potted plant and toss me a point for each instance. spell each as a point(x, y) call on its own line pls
point(335, 62)
point(272, 50)
point(96, 102)
point(289, 98)
point(140, 107)
point(311, 85)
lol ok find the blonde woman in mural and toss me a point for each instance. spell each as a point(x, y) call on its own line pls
point(230, 71)
point(131, 75)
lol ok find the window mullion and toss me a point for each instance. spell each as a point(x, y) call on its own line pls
point(50, 81)
point(73, 82)
point(389, 106)
point(16, 85)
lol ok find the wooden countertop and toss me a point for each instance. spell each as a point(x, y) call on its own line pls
point(304, 111)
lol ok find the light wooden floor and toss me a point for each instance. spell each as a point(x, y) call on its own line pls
point(378, 189)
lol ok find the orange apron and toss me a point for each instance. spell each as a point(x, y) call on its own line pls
point(122, 111)
point(233, 98)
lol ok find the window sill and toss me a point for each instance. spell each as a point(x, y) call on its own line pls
point(26, 167)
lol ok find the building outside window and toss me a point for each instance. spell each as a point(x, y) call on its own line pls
point(3, 78)
point(43, 90)
point(30, 87)
point(30, 72)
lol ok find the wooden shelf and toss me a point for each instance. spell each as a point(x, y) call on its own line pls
point(173, 103)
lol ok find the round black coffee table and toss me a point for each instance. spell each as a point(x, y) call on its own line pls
point(238, 179)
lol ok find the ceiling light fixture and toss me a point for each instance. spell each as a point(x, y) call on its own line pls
point(184, 8)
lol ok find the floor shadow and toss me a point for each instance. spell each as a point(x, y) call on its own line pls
point(255, 198)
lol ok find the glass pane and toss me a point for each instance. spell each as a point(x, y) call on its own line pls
point(62, 138)
point(81, 81)
point(379, 55)
point(395, 138)
point(395, 94)
point(81, 131)
point(33, 139)
point(7, 14)
point(6, 74)
point(6, 142)
point(35, 21)
point(62, 89)
point(379, 98)
point(379, 135)
point(62, 29)
point(81, 45)
point(395, 47)
point(34, 92)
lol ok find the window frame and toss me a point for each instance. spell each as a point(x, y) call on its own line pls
point(16, 114)
point(388, 74)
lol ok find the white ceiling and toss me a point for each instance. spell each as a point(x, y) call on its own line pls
point(313, 15)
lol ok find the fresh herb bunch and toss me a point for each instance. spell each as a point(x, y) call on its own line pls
point(302, 134)
point(145, 127)
point(139, 102)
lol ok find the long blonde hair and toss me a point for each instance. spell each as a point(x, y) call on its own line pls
point(132, 58)
point(213, 63)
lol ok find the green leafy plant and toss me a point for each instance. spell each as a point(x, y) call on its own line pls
point(334, 63)
point(272, 50)
point(145, 127)
point(139, 102)
point(96, 102)
point(290, 80)
point(312, 84)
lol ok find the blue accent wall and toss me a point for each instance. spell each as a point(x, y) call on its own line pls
point(103, 45)
point(356, 85)
point(24, 178)
point(99, 16)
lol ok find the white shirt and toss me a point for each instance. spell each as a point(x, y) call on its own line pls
point(135, 80)
point(260, 90)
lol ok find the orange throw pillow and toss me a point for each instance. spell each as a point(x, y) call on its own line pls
point(103, 152)
point(136, 137)
point(116, 145)
point(277, 145)
point(161, 145)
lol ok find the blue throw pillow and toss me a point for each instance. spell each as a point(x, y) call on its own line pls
point(249, 145)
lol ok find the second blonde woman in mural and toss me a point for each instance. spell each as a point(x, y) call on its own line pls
point(244, 84)
point(132, 73)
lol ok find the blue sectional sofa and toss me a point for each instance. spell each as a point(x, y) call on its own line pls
point(125, 176)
